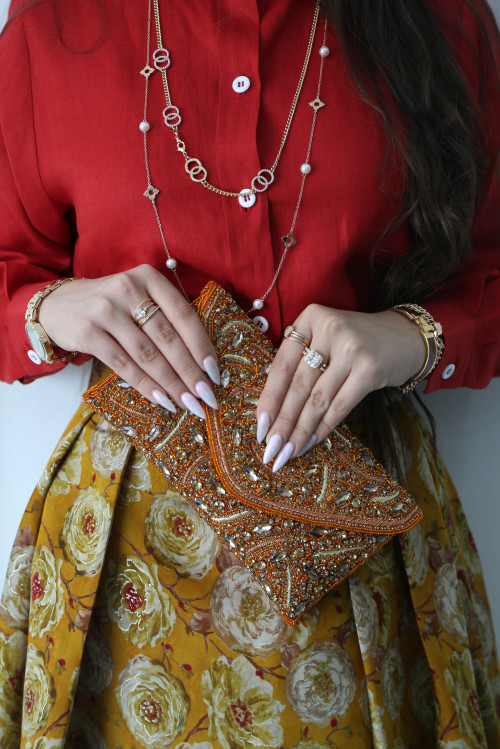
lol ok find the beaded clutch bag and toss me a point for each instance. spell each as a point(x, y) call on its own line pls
point(300, 531)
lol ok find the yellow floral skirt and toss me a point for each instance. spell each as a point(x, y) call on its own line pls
point(124, 623)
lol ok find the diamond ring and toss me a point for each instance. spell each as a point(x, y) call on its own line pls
point(144, 311)
point(314, 359)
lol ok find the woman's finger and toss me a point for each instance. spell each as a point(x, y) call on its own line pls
point(291, 430)
point(183, 378)
point(353, 391)
point(174, 369)
point(184, 320)
point(304, 428)
point(278, 382)
point(111, 353)
point(350, 389)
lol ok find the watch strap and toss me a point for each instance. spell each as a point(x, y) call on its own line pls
point(31, 316)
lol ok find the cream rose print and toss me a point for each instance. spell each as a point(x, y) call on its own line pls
point(85, 529)
point(47, 593)
point(482, 625)
point(43, 743)
point(39, 693)
point(137, 602)
point(136, 480)
point(109, 448)
point(244, 616)
point(446, 596)
point(12, 665)
point(460, 683)
point(321, 683)
point(305, 627)
point(241, 708)
point(152, 701)
point(70, 472)
point(415, 554)
point(366, 615)
point(58, 455)
point(178, 537)
point(393, 678)
point(14, 608)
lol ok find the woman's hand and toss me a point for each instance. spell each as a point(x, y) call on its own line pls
point(166, 360)
point(299, 405)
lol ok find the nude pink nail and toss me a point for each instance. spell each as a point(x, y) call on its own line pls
point(284, 456)
point(163, 401)
point(272, 448)
point(193, 405)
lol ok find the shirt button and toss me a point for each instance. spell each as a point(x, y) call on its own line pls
point(261, 323)
point(34, 357)
point(241, 84)
point(447, 373)
point(247, 198)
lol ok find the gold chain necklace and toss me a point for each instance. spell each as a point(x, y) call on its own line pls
point(195, 169)
point(173, 119)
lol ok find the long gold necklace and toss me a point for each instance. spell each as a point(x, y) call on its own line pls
point(172, 119)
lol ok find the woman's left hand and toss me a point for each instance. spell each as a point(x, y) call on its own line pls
point(300, 406)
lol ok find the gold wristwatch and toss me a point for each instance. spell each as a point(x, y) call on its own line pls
point(37, 336)
point(432, 334)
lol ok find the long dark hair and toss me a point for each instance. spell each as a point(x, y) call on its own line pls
point(397, 51)
point(403, 65)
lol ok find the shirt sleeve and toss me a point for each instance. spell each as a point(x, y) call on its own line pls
point(36, 233)
point(468, 305)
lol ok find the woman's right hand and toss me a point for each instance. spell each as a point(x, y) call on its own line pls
point(166, 360)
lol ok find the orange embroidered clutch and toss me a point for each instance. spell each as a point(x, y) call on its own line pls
point(300, 531)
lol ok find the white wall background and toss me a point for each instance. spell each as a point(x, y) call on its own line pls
point(33, 417)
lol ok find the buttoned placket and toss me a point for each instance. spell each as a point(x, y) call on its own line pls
point(249, 243)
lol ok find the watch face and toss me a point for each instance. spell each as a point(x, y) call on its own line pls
point(35, 339)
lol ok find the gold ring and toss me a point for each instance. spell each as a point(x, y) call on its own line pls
point(292, 335)
point(142, 310)
point(314, 359)
point(150, 312)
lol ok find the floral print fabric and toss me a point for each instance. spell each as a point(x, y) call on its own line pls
point(125, 623)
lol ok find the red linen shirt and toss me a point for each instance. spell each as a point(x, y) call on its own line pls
point(73, 175)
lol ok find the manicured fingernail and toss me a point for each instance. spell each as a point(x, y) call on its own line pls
point(311, 441)
point(193, 405)
point(163, 401)
point(283, 456)
point(206, 394)
point(212, 370)
point(263, 424)
point(272, 448)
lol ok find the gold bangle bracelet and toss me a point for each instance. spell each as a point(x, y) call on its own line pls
point(432, 334)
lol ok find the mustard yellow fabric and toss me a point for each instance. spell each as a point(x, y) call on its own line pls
point(124, 623)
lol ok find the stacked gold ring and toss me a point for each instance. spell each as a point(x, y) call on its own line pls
point(292, 335)
point(144, 312)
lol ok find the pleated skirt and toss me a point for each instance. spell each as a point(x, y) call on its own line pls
point(125, 623)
